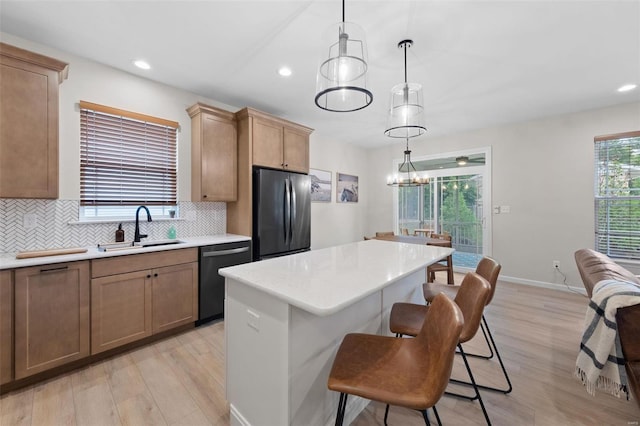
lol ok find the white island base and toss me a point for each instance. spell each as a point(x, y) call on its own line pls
point(286, 317)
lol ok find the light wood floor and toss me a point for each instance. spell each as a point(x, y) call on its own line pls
point(179, 381)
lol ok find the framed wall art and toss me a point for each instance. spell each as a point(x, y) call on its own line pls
point(346, 188)
point(321, 185)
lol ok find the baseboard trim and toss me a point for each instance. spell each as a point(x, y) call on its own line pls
point(543, 284)
point(533, 283)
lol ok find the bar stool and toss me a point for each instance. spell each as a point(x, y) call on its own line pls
point(411, 373)
point(444, 265)
point(489, 269)
point(408, 318)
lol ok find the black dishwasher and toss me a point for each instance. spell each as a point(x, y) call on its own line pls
point(210, 283)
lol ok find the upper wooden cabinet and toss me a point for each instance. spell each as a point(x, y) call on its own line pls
point(51, 316)
point(265, 141)
point(29, 116)
point(214, 154)
point(276, 143)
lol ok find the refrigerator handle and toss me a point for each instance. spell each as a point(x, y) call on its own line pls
point(293, 210)
point(285, 210)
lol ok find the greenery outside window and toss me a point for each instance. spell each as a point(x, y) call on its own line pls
point(126, 160)
point(617, 195)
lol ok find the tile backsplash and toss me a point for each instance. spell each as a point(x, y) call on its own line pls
point(54, 230)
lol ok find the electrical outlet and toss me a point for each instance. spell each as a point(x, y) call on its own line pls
point(556, 264)
point(253, 320)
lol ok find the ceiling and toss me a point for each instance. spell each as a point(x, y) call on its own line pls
point(481, 63)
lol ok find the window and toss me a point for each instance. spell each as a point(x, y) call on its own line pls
point(617, 195)
point(126, 160)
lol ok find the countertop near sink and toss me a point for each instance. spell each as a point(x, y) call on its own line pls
point(9, 261)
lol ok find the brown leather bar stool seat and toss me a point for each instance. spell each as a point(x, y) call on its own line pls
point(411, 373)
point(444, 265)
point(489, 269)
point(408, 318)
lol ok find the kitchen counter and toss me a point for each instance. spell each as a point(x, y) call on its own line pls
point(9, 261)
point(285, 318)
point(325, 281)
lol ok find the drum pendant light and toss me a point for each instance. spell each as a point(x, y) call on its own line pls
point(406, 110)
point(341, 84)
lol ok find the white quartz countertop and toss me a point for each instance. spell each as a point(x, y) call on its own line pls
point(9, 261)
point(325, 281)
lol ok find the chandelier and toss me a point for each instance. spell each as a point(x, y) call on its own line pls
point(407, 174)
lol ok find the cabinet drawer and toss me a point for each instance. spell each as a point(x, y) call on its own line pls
point(139, 262)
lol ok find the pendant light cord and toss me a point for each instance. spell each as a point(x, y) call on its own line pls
point(405, 65)
point(343, 11)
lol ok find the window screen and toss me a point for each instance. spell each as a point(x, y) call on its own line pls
point(617, 195)
point(126, 158)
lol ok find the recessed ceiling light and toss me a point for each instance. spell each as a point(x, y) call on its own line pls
point(285, 71)
point(627, 87)
point(142, 64)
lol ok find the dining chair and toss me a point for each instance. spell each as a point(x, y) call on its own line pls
point(404, 231)
point(410, 373)
point(385, 234)
point(444, 265)
point(489, 269)
point(406, 319)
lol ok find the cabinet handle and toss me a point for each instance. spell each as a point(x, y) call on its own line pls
point(149, 276)
point(155, 275)
point(286, 165)
point(60, 268)
point(204, 196)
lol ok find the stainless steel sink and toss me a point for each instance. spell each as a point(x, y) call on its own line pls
point(134, 246)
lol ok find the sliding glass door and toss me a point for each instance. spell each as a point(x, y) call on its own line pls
point(455, 201)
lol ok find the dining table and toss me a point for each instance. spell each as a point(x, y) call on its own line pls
point(415, 239)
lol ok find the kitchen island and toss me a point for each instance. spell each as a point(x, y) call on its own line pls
point(286, 317)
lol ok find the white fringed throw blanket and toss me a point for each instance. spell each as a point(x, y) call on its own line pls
point(600, 363)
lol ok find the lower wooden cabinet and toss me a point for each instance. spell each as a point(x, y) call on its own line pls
point(174, 296)
point(6, 326)
point(51, 316)
point(120, 310)
point(128, 306)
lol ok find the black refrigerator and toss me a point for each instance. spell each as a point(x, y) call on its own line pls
point(281, 213)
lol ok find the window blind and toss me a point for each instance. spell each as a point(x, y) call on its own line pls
point(126, 158)
point(617, 195)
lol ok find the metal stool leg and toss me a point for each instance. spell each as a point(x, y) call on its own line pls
point(475, 387)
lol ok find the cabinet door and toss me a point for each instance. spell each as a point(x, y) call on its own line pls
point(120, 309)
point(267, 144)
point(219, 154)
point(29, 131)
point(51, 316)
point(296, 150)
point(6, 326)
point(175, 296)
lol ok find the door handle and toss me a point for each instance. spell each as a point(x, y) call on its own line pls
point(225, 252)
point(287, 220)
point(293, 210)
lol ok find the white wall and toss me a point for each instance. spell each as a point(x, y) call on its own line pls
point(97, 83)
point(544, 170)
point(338, 223)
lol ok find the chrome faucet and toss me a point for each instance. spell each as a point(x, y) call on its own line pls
point(137, 235)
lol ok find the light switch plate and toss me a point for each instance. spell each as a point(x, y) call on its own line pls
point(496, 209)
point(505, 209)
